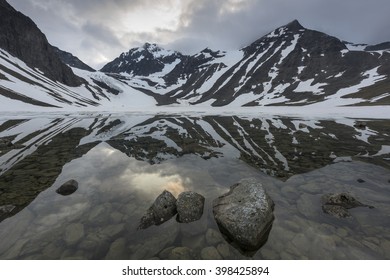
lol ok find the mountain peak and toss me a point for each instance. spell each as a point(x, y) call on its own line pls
point(151, 47)
point(294, 25)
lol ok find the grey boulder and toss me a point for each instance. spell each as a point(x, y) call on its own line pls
point(68, 188)
point(189, 207)
point(245, 215)
point(162, 209)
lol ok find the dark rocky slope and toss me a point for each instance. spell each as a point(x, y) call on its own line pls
point(22, 38)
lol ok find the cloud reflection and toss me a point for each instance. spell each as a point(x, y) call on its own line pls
point(109, 170)
point(155, 183)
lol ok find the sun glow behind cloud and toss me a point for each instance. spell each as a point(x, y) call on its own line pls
point(152, 19)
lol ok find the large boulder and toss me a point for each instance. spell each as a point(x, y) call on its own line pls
point(162, 209)
point(189, 207)
point(245, 214)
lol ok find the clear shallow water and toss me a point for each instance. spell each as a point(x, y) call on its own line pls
point(122, 166)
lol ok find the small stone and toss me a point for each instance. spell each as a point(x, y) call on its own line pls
point(361, 180)
point(342, 232)
point(74, 233)
point(117, 250)
point(269, 254)
point(224, 250)
point(194, 242)
point(99, 214)
point(300, 241)
point(113, 231)
point(213, 237)
point(68, 188)
point(210, 253)
point(181, 253)
point(52, 251)
point(164, 254)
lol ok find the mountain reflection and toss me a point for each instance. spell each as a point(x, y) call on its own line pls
point(34, 151)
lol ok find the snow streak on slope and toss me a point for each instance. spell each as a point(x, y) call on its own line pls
point(274, 145)
point(369, 78)
point(24, 85)
point(291, 66)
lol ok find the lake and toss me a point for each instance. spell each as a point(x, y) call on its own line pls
point(122, 162)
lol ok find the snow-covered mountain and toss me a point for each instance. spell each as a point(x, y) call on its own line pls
point(291, 66)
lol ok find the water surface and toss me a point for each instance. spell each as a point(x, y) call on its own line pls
point(122, 163)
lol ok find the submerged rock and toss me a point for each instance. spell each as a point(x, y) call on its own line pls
point(336, 211)
point(162, 209)
point(210, 253)
point(68, 188)
point(245, 214)
point(74, 233)
point(337, 205)
point(189, 207)
point(181, 253)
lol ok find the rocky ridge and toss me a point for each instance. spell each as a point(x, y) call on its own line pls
point(22, 38)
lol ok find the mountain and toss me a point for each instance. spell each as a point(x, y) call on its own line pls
point(144, 61)
point(291, 65)
point(22, 38)
point(72, 61)
point(35, 76)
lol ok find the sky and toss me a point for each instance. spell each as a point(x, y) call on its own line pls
point(97, 31)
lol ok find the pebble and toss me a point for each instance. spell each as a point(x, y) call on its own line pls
point(164, 254)
point(74, 233)
point(181, 253)
point(224, 250)
point(113, 231)
point(210, 253)
point(52, 251)
point(118, 250)
point(342, 232)
point(213, 237)
point(195, 242)
point(309, 205)
point(269, 254)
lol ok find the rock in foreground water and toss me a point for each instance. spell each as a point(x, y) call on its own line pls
point(338, 204)
point(162, 209)
point(189, 207)
point(68, 188)
point(245, 214)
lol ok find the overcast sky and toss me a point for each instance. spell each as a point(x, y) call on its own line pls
point(97, 31)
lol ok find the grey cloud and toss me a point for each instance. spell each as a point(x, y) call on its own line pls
point(355, 20)
point(101, 33)
point(223, 24)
